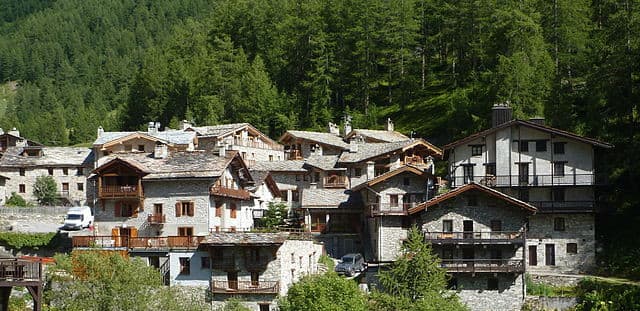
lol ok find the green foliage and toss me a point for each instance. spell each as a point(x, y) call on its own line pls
point(274, 216)
point(107, 281)
point(45, 190)
point(16, 200)
point(598, 294)
point(19, 240)
point(233, 305)
point(415, 280)
point(547, 290)
point(327, 292)
point(328, 262)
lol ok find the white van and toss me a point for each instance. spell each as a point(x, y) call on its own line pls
point(78, 217)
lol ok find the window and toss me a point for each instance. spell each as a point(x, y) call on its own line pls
point(541, 145)
point(572, 248)
point(467, 172)
point(472, 200)
point(284, 195)
point(447, 225)
point(524, 146)
point(316, 176)
point(558, 168)
point(490, 169)
point(558, 194)
point(80, 186)
point(393, 200)
point(357, 172)
point(22, 188)
point(157, 208)
point(79, 171)
point(140, 147)
point(406, 181)
point(205, 262)
point(65, 188)
point(233, 210)
point(264, 307)
point(550, 254)
point(124, 209)
point(271, 158)
point(185, 208)
point(219, 209)
point(22, 173)
point(50, 171)
point(558, 224)
point(492, 284)
point(523, 173)
point(185, 231)
point(476, 150)
point(558, 147)
point(65, 171)
point(255, 278)
point(496, 225)
point(185, 265)
point(295, 196)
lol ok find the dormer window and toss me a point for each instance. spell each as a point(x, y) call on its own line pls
point(476, 150)
point(558, 147)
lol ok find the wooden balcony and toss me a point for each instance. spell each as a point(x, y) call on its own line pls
point(20, 271)
point(564, 206)
point(294, 154)
point(256, 144)
point(119, 191)
point(151, 243)
point(388, 209)
point(414, 160)
point(222, 191)
point(224, 263)
point(483, 265)
point(245, 287)
point(336, 181)
point(157, 219)
point(529, 180)
point(488, 237)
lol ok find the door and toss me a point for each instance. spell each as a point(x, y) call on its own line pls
point(468, 255)
point(154, 261)
point(550, 255)
point(523, 173)
point(232, 279)
point(467, 227)
point(533, 255)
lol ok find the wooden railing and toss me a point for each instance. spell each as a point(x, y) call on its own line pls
point(529, 180)
point(483, 265)
point(170, 242)
point(157, 219)
point(294, 154)
point(381, 209)
point(245, 287)
point(119, 191)
point(257, 144)
point(479, 237)
point(336, 181)
point(414, 160)
point(13, 269)
point(222, 191)
point(564, 206)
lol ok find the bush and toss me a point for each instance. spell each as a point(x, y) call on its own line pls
point(547, 290)
point(19, 240)
point(597, 294)
point(16, 200)
point(327, 261)
point(45, 190)
point(323, 292)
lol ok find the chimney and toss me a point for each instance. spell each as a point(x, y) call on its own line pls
point(537, 120)
point(21, 143)
point(313, 185)
point(333, 128)
point(500, 114)
point(160, 151)
point(371, 171)
point(1, 131)
point(390, 126)
point(347, 125)
point(100, 131)
point(353, 145)
point(222, 150)
point(184, 124)
point(14, 132)
point(151, 128)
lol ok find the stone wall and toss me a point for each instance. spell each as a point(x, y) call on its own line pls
point(75, 195)
point(474, 293)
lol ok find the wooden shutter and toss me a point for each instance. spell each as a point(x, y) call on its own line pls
point(134, 212)
point(178, 209)
point(115, 232)
point(116, 209)
point(192, 207)
point(133, 232)
point(233, 210)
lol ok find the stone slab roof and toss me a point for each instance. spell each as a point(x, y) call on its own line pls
point(280, 166)
point(378, 135)
point(325, 163)
point(318, 137)
point(170, 136)
point(324, 198)
point(51, 156)
point(245, 238)
point(368, 151)
point(217, 130)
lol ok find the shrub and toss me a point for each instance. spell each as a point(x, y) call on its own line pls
point(547, 290)
point(19, 240)
point(45, 190)
point(597, 294)
point(16, 200)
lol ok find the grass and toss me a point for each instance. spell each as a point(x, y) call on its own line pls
point(547, 290)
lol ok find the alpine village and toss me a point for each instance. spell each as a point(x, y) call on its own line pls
point(235, 155)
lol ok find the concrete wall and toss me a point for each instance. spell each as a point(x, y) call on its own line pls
point(474, 293)
point(198, 276)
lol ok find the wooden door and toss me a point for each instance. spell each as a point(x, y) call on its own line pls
point(115, 235)
point(232, 279)
point(468, 254)
point(533, 255)
point(467, 228)
point(550, 254)
point(125, 233)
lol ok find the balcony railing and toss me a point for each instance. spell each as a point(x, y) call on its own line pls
point(336, 181)
point(13, 269)
point(256, 144)
point(477, 237)
point(529, 180)
point(294, 154)
point(119, 191)
point(245, 287)
point(483, 265)
point(382, 209)
point(222, 191)
point(414, 160)
point(157, 219)
point(170, 242)
point(564, 206)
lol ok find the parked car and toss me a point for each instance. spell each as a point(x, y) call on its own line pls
point(351, 264)
point(78, 217)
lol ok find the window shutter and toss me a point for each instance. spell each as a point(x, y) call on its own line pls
point(115, 232)
point(178, 209)
point(133, 232)
point(192, 207)
point(116, 210)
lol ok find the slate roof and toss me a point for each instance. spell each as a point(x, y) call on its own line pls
point(389, 174)
point(378, 135)
point(280, 166)
point(258, 177)
point(318, 137)
point(170, 136)
point(370, 150)
point(325, 163)
point(51, 156)
point(186, 164)
point(217, 130)
point(324, 198)
point(245, 238)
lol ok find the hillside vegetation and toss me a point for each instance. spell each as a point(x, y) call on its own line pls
point(433, 66)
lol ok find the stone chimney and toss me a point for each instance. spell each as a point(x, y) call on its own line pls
point(500, 114)
point(184, 124)
point(14, 132)
point(151, 128)
point(537, 120)
point(353, 145)
point(222, 150)
point(21, 143)
point(347, 125)
point(161, 151)
point(334, 129)
point(313, 185)
point(390, 126)
point(100, 131)
point(371, 170)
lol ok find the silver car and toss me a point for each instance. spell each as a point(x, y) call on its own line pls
point(351, 264)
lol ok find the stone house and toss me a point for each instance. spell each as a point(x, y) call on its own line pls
point(12, 138)
point(69, 167)
point(263, 192)
point(480, 235)
point(252, 144)
point(549, 168)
